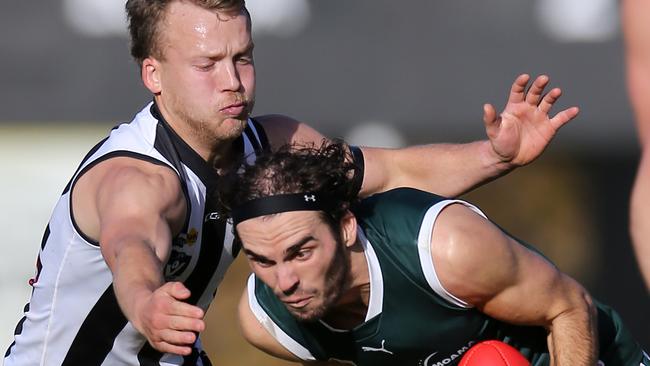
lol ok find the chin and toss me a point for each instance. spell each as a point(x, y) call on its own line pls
point(238, 124)
point(305, 316)
point(232, 128)
point(312, 314)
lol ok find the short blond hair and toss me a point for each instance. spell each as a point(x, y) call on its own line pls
point(144, 17)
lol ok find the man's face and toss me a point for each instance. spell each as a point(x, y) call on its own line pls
point(299, 258)
point(206, 74)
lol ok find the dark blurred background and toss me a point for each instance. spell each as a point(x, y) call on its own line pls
point(382, 73)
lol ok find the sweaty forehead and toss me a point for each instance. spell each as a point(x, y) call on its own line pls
point(191, 22)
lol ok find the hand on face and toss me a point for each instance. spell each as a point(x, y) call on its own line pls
point(525, 127)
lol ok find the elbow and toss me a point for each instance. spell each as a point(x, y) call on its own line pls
point(592, 312)
point(574, 309)
point(581, 305)
point(578, 321)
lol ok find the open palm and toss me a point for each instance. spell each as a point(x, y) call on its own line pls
point(524, 128)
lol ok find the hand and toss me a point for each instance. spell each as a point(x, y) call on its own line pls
point(523, 130)
point(169, 324)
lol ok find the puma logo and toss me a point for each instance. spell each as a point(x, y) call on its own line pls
point(373, 349)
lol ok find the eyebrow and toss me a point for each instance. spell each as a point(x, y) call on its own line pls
point(288, 253)
point(292, 250)
point(219, 54)
point(256, 256)
point(248, 48)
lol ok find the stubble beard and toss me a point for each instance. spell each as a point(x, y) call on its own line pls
point(337, 280)
point(209, 130)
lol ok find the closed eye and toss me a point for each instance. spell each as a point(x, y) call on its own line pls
point(205, 67)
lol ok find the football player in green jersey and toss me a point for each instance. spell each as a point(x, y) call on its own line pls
point(403, 277)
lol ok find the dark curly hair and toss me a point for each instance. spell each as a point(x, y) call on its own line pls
point(328, 168)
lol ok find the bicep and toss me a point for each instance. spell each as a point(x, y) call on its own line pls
point(138, 204)
point(379, 170)
point(637, 41)
point(483, 266)
point(282, 130)
point(378, 163)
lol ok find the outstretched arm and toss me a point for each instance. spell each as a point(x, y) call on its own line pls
point(476, 262)
point(133, 208)
point(516, 136)
point(636, 30)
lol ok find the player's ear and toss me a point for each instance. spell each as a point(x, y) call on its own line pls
point(349, 228)
point(151, 74)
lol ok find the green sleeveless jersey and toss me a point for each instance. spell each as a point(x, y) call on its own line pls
point(412, 319)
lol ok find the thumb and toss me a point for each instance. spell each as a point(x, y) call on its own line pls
point(489, 115)
point(177, 290)
point(490, 120)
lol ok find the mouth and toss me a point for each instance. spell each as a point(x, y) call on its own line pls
point(234, 110)
point(298, 303)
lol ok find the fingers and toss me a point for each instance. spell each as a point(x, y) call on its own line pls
point(174, 342)
point(168, 301)
point(517, 91)
point(169, 323)
point(549, 99)
point(565, 116)
point(184, 309)
point(177, 319)
point(174, 334)
point(183, 323)
point(174, 337)
point(534, 94)
point(165, 347)
point(535, 97)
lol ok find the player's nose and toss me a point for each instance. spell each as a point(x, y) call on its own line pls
point(287, 279)
point(229, 77)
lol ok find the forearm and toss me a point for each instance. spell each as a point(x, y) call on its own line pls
point(640, 216)
point(636, 31)
point(444, 169)
point(137, 273)
point(573, 338)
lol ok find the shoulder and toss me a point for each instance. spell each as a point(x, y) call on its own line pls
point(125, 173)
point(127, 188)
point(282, 129)
point(396, 208)
point(472, 256)
point(404, 196)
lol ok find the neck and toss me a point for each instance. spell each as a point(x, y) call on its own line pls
point(223, 157)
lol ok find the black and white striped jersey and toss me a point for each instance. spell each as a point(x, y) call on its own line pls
point(73, 317)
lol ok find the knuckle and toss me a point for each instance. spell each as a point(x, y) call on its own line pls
point(158, 322)
point(174, 323)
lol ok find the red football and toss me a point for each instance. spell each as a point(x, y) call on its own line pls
point(493, 353)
